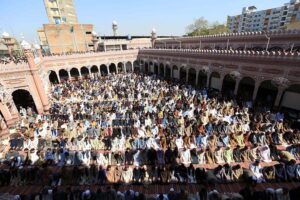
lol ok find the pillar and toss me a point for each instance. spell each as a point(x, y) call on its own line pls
point(124, 66)
point(187, 76)
point(208, 79)
point(90, 72)
point(80, 75)
point(69, 74)
point(58, 78)
point(165, 69)
point(256, 87)
point(279, 95)
point(117, 70)
point(237, 83)
point(6, 114)
point(197, 78)
point(37, 80)
point(108, 72)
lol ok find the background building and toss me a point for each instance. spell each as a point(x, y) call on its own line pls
point(64, 38)
point(61, 11)
point(9, 46)
point(265, 20)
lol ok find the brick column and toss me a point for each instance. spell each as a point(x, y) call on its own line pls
point(37, 80)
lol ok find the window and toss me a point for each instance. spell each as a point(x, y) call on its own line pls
point(88, 32)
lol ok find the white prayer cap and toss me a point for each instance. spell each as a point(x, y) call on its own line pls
point(172, 190)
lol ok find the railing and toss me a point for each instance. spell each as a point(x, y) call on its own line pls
point(236, 35)
point(226, 52)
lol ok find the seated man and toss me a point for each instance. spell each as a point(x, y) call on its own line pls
point(256, 169)
point(280, 172)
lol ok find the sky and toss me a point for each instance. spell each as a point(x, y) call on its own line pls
point(134, 17)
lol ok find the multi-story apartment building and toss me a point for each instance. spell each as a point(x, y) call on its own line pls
point(265, 20)
point(61, 11)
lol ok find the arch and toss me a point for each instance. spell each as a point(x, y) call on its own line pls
point(228, 85)
point(156, 68)
point(103, 70)
point(94, 69)
point(192, 76)
point(168, 71)
point(161, 70)
point(215, 81)
point(202, 79)
point(74, 72)
point(136, 66)
point(53, 78)
point(112, 68)
point(267, 93)
point(246, 88)
point(84, 71)
point(63, 74)
point(291, 97)
point(120, 66)
point(23, 98)
point(182, 74)
point(128, 67)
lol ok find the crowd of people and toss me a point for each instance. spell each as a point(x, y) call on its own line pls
point(13, 59)
point(137, 129)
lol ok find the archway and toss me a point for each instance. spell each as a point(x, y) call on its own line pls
point(136, 66)
point(182, 75)
point(63, 74)
point(175, 72)
point(168, 72)
point(156, 68)
point(291, 97)
point(215, 81)
point(228, 85)
point(246, 88)
point(94, 69)
point(74, 72)
point(103, 70)
point(161, 70)
point(112, 68)
point(84, 71)
point(23, 98)
point(267, 92)
point(202, 79)
point(53, 77)
point(192, 77)
point(128, 67)
point(120, 67)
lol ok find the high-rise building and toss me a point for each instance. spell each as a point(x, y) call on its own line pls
point(61, 11)
point(265, 20)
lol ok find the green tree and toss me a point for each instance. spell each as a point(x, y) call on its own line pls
point(202, 27)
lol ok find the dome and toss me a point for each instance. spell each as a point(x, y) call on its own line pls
point(153, 30)
point(5, 34)
point(25, 45)
point(94, 33)
point(114, 23)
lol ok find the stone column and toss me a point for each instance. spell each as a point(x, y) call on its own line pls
point(6, 114)
point(208, 79)
point(69, 74)
point(58, 78)
point(37, 80)
point(256, 87)
point(124, 66)
point(90, 71)
point(187, 76)
point(197, 78)
point(80, 75)
point(108, 72)
point(237, 83)
point(279, 95)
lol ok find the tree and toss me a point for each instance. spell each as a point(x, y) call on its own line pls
point(202, 27)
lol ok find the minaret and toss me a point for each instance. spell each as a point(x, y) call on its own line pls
point(153, 36)
point(115, 28)
point(95, 41)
